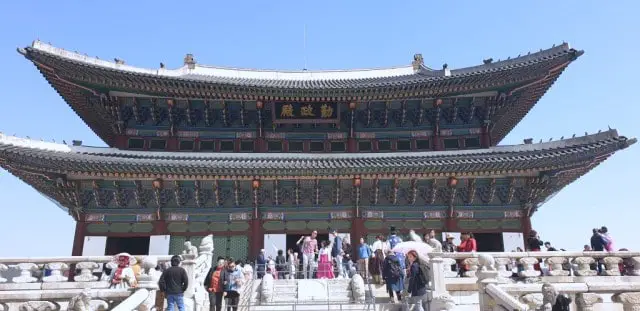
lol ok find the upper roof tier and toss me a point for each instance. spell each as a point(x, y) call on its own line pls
point(206, 81)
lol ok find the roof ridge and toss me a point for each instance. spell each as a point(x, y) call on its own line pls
point(196, 70)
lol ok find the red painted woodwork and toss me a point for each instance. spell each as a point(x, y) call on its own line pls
point(357, 231)
point(526, 228)
point(256, 238)
point(450, 225)
point(78, 239)
point(352, 145)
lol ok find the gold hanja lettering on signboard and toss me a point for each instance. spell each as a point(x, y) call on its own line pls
point(287, 111)
point(307, 111)
point(326, 111)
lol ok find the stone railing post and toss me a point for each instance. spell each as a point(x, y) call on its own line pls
point(26, 275)
point(86, 272)
point(585, 301)
point(57, 269)
point(612, 266)
point(439, 296)
point(633, 266)
point(3, 268)
point(528, 264)
point(189, 265)
point(471, 264)
point(501, 266)
point(556, 265)
point(584, 266)
point(487, 275)
point(629, 301)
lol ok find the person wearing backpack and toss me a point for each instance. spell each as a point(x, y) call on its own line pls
point(393, 238)
point(393, 276)
point(418, 282)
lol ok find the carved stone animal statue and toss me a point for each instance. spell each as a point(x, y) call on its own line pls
point(487, 262)
point(190, 249)
point(81, 302)
point(357, 288)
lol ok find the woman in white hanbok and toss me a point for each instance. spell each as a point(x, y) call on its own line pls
point(123, 276)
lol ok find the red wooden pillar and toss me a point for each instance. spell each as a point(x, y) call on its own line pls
point(357, 231)
point(78, 239)
point(256, 238)
point(450, 224)
point(526, 229)
point(352, 145)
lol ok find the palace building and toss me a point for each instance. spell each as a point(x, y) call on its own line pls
point(244, 154)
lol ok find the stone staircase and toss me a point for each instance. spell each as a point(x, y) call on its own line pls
point(311, 295)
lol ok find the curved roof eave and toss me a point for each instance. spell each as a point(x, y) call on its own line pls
point(256, 78)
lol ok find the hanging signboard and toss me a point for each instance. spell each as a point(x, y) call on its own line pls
point(292, 112)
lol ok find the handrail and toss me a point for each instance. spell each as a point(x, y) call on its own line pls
point(516, 255)
point(573, 288)
point(133, 301)
point(504, 299)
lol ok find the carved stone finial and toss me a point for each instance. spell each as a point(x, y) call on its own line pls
point(418, 62)
point(629, 301)
point(190, 249)
point(189, 61)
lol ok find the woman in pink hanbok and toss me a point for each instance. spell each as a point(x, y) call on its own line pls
point(325, 264)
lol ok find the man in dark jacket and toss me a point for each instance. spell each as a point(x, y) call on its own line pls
point(337, 254)
point(173, 282)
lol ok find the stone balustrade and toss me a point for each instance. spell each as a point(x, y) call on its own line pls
point(523, 264)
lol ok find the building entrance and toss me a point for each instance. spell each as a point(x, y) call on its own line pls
point(131, 245)
point(489, 242)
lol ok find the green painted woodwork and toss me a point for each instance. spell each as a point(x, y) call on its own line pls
point(488, 224)
point(119, 218)
point(295, 225)
point(218, 226)
point(209, 217)
point(273, 225)
point(120, 227)
point(220, 247)
point(374, 224)
point(340, 224)
point(238, 247)
point(238, 226)
point(488, 214)
point(97, 228)
point(198, 227)
point(142, 227)
point(318, 225)
point(403, 214)
point(178, 227)
point(433, 224)
point(412, 224)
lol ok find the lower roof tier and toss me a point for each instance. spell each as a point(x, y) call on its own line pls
point(85, 179)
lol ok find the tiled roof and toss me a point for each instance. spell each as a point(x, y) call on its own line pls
point(336, 79)
point(59, 158)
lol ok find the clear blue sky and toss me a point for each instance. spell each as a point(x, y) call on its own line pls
point(597, 91)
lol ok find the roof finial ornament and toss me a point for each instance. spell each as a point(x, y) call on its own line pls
point(487, 61)
point(118, 61)
point(189, 61)
point(586, 134)
point(574, 136)
point(561, 137)
point(161, 65)
point(418, 62)
point(445, 66)
point(608, 126)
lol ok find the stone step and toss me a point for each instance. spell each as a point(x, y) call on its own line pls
point(330, 307)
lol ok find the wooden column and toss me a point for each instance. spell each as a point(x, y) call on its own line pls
point(78, 245)
point(256, 239)
point(357, 231)
point(526, 229)
point(78, 239)
point(450, 224)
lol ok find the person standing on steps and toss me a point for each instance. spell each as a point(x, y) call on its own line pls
point(309, 250)
point(337, 253)
point(233, 281)
point(213, 284)
point(174, 282)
